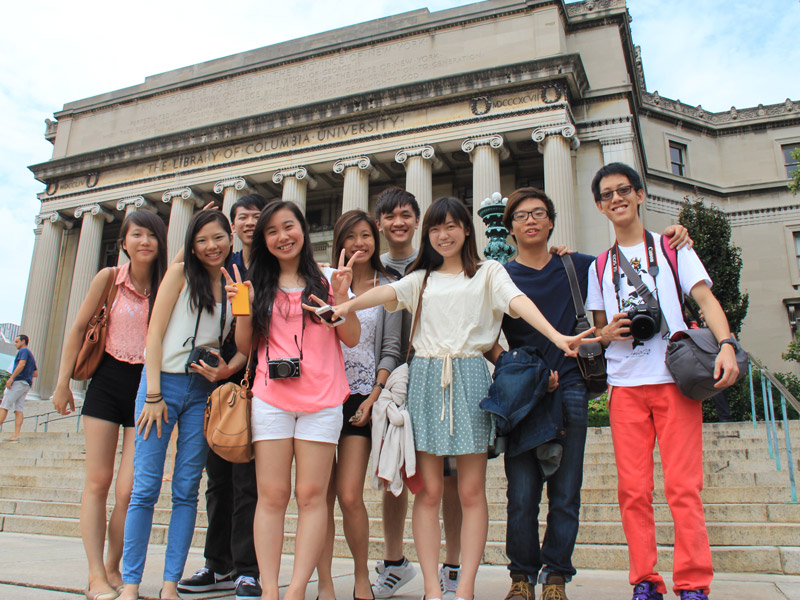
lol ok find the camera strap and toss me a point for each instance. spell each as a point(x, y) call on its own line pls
point(302, 331)
point(223, 317)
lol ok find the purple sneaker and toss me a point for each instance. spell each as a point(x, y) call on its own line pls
point(646, 590)
point(693, 595)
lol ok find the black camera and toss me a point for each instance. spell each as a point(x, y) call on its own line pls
point(645, 321)
point(204, 354)
point(283, 368)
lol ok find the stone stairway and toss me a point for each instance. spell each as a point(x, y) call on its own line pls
point(753, 526)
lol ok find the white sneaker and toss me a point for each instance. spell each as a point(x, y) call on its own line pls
point(392, 578)
point(448, 581)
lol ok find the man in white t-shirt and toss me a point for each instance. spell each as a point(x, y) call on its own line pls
point(397, 215)
point(644, 402)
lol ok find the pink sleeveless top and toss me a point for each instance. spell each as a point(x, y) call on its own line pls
point(127, 322)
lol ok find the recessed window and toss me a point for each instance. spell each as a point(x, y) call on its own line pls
point(677, 158)
point(796, 236)
point(789, 161)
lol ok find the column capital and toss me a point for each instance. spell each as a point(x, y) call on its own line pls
point(237, 183)
point(94, 210)
point(298, 172)
point(566, 130)
point(494, 141)
point(136, 201)
point(184, 192)
point(55, 218)
point(362, 162)
point(426, 152)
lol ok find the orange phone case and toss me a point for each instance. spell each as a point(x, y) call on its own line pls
point(240, 305)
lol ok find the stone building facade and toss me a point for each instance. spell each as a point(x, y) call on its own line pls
point(462, 102)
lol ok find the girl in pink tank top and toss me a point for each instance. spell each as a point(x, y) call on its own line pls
point(299, 387)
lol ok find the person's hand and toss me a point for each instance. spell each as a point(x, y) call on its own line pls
point(560, 250)
point(680, 237)
point(231, 290)
point(726, 369)
point(619, 329)
point(63, 401)
point(213, 374)
point(9, 383)
point(342, 277)
point(210, 206)
point(552, 382)
point(364, 412)
point(569, 343)
point(152, 413)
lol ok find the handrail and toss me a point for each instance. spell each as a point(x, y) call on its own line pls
point(768, 381)
point(36, 418)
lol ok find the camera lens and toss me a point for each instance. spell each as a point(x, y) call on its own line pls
point(643, 327)
point(283, 369)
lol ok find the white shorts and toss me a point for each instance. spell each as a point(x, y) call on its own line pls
point(14, 397)
point(272, 423)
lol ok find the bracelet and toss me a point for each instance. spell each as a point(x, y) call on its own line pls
point(156, 399)
point(380, 385)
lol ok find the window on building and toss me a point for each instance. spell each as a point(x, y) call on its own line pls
point(677, 158)
point(789, 161)
point(796, 236)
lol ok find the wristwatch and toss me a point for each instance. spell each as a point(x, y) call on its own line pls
point(380, 385)
point(730, 341)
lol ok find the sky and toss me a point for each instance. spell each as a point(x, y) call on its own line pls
point(710, 52)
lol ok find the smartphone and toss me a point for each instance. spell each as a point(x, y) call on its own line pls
point(326, 314)
point(240, 305)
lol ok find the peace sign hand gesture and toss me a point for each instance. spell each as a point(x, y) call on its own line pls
point(342, 277)
point(231, 289)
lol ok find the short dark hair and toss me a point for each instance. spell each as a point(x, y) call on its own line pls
point(616, 168)
point(522, 194)
point(343, 226)
point(23, 338)
point(391, 198)
point(251, 201)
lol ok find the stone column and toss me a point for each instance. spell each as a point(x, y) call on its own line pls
point(36, 319)
point(130, 205)
point(296, 181)
point(183, 204)
point(357, 171)
point(419, 162)
point(231, 189)
point(485, 154)
point(556, 143)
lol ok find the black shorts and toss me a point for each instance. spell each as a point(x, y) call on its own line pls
point(348, 410)
point(112, 392)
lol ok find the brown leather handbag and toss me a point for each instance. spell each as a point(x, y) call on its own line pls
point(227, 420)
point(94, 338)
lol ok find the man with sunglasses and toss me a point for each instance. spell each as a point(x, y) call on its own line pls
point(530, 216)
point(644, 402)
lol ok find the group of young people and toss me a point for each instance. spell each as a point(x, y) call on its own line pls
point(314, 386)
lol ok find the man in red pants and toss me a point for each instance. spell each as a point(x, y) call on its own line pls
point(644, 401)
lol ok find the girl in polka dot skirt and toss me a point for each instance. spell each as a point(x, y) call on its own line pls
point(463, 302)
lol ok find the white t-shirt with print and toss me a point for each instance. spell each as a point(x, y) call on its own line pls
point(644, 364)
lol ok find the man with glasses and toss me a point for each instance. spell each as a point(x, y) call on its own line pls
point(644, 402)
point(530, 216)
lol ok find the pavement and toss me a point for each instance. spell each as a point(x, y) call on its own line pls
point(40, 567)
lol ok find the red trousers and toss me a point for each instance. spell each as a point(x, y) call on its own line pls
point(639, 415)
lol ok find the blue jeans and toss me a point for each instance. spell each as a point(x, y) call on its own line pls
point(185, 396)
point(525, 484)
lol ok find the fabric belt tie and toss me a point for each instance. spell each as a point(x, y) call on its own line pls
point(447, 381)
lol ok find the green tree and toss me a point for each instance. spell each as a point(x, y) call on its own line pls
point(795, 183)
point(711, 232)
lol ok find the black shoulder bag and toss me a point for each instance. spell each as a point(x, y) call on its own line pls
point(591, 357)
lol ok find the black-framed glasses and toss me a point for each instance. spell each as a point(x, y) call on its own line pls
point(623, 191)
point(522, 215)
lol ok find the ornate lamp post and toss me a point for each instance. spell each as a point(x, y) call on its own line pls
point(491, 211)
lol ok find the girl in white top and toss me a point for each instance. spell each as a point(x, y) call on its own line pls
point(191, 310)
point(463, 301)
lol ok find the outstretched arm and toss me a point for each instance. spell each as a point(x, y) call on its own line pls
point(525, 308)
point(383, 294)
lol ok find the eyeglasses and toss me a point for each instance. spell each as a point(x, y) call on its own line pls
point(522, 215)
point(623, 192)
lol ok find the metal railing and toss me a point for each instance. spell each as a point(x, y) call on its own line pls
point(768, 382)
point(44, 419)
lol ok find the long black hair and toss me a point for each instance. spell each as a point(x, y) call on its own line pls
point(152, 222)
point(264, 269)
point(201, 294)
point(428, 258)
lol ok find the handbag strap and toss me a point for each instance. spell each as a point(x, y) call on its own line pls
point(417, 313)
point(245, 383)
point(109, 292)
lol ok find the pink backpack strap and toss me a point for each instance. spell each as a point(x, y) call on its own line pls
point(600, 264)
point(672, 259)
